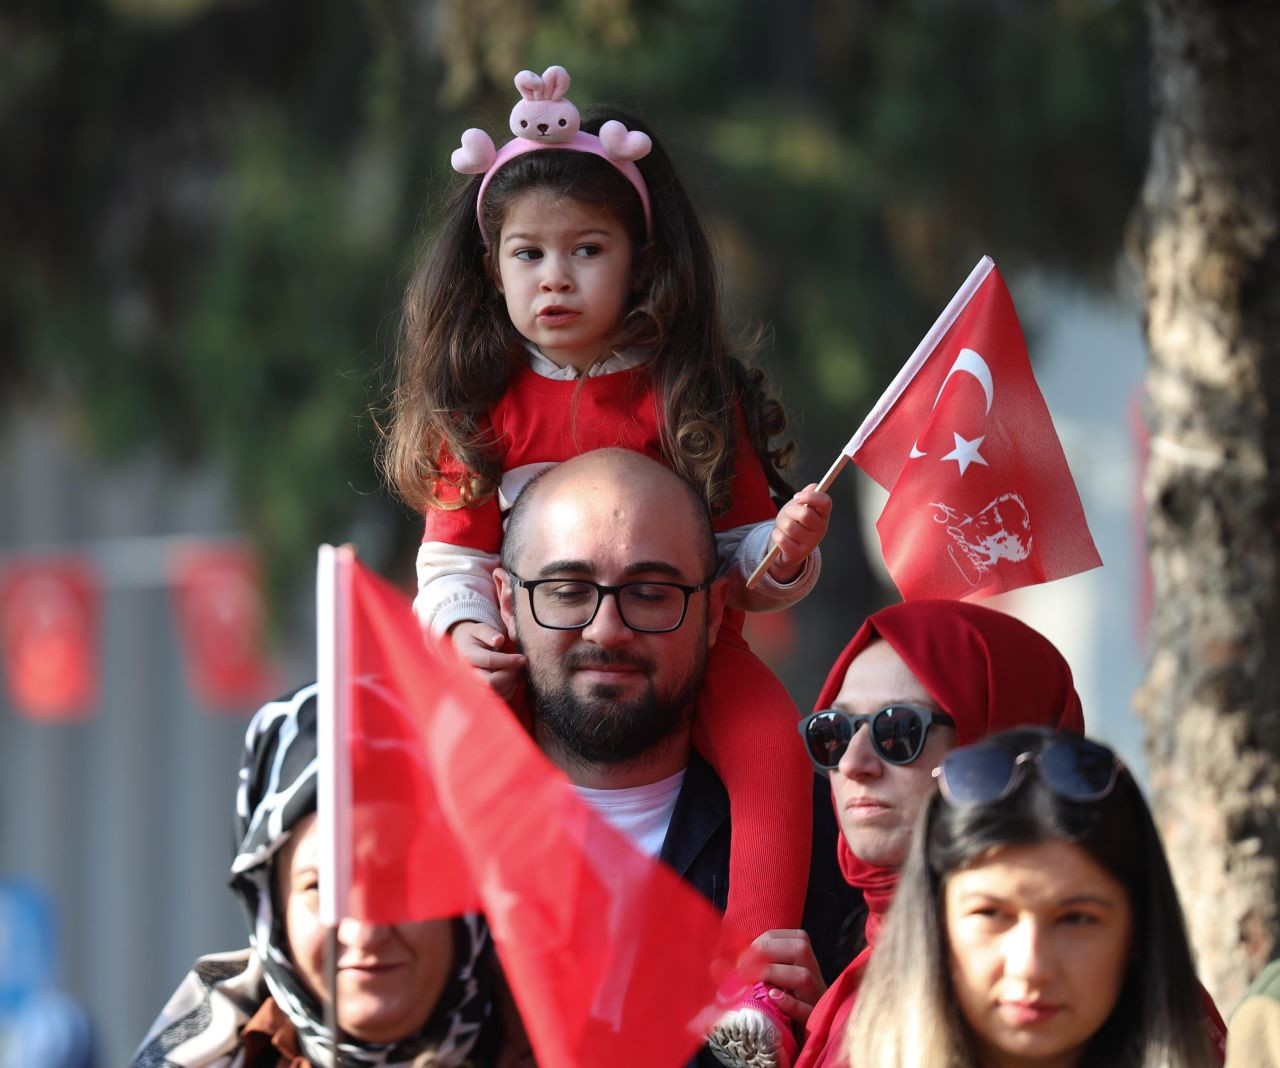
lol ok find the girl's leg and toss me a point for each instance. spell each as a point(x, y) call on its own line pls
point(745, 727)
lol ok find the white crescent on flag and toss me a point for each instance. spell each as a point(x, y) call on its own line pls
point(968, 362)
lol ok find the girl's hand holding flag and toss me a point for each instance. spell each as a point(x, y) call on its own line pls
point(800, 527)
point(981, 500)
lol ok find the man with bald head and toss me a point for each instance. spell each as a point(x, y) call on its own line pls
point(608, 587)
point(612, 705)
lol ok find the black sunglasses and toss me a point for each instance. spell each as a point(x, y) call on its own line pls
point(1073, 768)
point(898, 733)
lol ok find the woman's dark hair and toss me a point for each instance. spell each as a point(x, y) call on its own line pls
point(906, 1011)
point(458, 350)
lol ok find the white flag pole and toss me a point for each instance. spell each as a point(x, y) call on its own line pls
point(897, 387)
point(333, 786)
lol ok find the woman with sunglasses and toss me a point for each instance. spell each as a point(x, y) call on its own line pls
point(916, 680)
point(1035, 923)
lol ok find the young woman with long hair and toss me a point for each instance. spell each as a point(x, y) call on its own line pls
point(1035, 923)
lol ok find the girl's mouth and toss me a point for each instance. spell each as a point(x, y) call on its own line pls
point(555, 314)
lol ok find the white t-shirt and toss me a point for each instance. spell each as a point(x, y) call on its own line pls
point(642, 813)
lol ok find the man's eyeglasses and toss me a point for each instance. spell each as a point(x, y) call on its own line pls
point(568, 604)
point(898, 733)
point(1074, 768)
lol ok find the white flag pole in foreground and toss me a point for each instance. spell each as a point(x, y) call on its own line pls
point(333, 779)
point(896, 388)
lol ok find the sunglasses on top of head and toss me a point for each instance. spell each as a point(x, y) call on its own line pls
point(898, 733)
point(1074, 768)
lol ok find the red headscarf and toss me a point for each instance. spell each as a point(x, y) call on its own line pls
point(988, 671)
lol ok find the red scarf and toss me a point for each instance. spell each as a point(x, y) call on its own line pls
point(988, 671)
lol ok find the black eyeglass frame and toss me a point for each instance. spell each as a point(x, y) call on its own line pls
point(1018, 767)
point(928, 717)
point(603, 591)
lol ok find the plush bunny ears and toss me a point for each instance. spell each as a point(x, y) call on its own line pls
point(543, 118)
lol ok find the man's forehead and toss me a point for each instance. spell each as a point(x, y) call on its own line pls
point(601, 531)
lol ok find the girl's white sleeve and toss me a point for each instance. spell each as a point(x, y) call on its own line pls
point(740, 551)
point(455, 585)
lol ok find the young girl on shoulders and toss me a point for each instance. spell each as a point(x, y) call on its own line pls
point(571, 302)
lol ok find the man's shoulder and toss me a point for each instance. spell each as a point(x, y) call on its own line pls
point(702, 810)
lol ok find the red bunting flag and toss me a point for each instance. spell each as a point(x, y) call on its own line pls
point(49, 635)
point(222, 622)
point(611, 957)
point(980, 496)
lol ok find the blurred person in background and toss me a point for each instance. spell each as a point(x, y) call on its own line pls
point(408, 994)
point(1254, 1039)
point(52, 1031)
point(1035, 923)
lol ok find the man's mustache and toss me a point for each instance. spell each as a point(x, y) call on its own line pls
point(587, 659)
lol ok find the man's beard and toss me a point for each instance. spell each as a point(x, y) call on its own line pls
point(599, 729)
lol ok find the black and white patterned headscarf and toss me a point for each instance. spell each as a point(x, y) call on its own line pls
point(277, 790)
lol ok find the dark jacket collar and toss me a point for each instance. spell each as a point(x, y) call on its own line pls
point(701, 810)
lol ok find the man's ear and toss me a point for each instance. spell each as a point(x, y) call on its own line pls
point(717, 597)
point(506, 591)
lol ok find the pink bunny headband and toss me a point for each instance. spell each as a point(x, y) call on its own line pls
point(543, 118)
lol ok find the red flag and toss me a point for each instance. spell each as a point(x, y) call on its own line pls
point(49, 628)
point(222, 620)
point(611, 957)
point(980, 497)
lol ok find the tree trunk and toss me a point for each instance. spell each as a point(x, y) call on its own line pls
point(1208, 240)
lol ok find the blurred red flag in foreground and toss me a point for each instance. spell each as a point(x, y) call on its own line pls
point(980, 496)
point(49, 636)
point(613, 960)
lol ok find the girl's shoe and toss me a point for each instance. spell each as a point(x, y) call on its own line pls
point(755, 1033)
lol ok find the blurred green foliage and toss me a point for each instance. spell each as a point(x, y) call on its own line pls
point(212, 206)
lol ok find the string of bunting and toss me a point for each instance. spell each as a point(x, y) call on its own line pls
point(53, 602)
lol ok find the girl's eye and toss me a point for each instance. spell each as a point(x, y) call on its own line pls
point(528, 254)
point(1078, 919)
point(587, 250)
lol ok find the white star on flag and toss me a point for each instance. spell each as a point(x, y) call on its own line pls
point(966, 452)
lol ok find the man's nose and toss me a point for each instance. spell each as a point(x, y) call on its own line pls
point(860, 759)
point(607, 629)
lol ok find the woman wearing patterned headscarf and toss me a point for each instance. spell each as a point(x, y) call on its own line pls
point(923, 677)
point(412, 994)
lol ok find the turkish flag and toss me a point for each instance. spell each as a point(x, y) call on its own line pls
point(611, 957)
point(49, 630)
point(980, 497)
point(222, 623)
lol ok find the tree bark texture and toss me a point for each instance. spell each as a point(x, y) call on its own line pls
point(1208, 240)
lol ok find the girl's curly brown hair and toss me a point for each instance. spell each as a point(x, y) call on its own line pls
point(457, 349)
